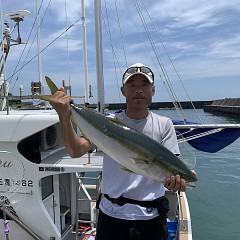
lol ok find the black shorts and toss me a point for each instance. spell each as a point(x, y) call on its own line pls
point(110, 228)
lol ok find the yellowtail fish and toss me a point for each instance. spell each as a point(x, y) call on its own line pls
point(135, 151)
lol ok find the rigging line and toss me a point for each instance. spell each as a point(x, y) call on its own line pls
point(68, 56)
point(154, 48)
point(23, 51)
point(153, 60)
point(158, 55)
point(175, 100)
point(121, 34)
point(25, 46)
point(115, 58)
point(199, 135)
point(152, 42)
point(171, 61)
point(137, 28)
point(147, 47)
point(19, 72)
point(54, 40)
point(192, 129)
point(168, 87)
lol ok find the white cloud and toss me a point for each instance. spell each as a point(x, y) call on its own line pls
point(201, 36)
point(227, 48)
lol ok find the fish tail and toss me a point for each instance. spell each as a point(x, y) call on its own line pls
point(53, 88)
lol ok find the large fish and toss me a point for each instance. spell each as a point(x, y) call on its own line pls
point(135, 151)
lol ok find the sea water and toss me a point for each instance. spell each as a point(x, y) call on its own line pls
point(215, 202)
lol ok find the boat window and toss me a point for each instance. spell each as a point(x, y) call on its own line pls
point(30, 148)
point(47, 186)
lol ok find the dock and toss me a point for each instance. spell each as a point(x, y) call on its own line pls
point(230, 106)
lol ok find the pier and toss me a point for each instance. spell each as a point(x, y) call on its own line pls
point(229, 106)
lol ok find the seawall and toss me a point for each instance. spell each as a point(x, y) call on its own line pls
point(229, 106)
point(160, 105)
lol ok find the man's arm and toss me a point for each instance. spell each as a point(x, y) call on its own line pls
point(76, 147)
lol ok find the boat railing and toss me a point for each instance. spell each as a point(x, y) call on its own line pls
point(87, 192)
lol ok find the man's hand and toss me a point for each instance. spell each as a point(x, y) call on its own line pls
point(175, 183)
point(60, 102)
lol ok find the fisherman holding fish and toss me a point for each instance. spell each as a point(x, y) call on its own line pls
point(131, 206)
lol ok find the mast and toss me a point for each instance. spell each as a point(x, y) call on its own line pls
point(86, 94)
point(99, 57)
point(38, 47)
point(17, 17)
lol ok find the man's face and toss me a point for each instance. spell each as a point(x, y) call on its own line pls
point(138, 91)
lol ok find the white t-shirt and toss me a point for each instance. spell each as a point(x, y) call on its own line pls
point(116, 182)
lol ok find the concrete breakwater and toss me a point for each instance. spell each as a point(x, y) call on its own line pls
point(227, 106)
point(161, 105)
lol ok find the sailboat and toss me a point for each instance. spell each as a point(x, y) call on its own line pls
point(45, 194)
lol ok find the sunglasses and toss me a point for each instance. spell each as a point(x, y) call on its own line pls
point(132, 70)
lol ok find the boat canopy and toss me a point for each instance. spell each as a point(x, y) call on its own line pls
point(206, 139)
point(22, 124)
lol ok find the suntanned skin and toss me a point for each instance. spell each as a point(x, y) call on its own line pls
point(76, 147)
point(138, 93)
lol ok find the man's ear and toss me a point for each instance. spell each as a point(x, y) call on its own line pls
point(123, 90)
point(153, 90)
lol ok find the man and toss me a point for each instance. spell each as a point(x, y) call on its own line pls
point(131, 206)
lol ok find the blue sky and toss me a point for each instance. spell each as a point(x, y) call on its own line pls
point(202, 39)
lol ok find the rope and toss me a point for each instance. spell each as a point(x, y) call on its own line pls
point(199, 135)
point(121, 35)
point(114, 55)
point(170, 59)
point(157, 57)
point(54, 40)
point(23, 65)
point(170, 88)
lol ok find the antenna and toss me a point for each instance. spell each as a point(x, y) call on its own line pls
point(17, 16)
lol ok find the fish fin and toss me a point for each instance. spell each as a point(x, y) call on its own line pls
point(53, 88)
point(128, 170)
point(139, 160)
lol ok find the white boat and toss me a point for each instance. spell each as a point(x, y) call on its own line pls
point(45, 194)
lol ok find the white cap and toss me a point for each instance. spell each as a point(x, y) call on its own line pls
point(138, 68)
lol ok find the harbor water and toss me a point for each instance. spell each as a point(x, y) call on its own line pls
point(215, 202)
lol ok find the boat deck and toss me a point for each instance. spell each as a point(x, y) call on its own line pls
point(88, 162)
